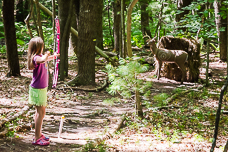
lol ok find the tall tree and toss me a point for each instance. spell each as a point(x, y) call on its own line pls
point(19, 11)
point(53, 16)
point(122, 33)
point(217, 6)
point(86, 44)
point(221, 22)
point(99, 20)
point(226, 43)
point(29, 17)
point(10, 38)
point(117, 25)
point(158, 28)
point(74, 24)
point(129, 11)
point(40, 30)
point(65, 14)
point(0, 11)
point(223, 35)
point(145, 18)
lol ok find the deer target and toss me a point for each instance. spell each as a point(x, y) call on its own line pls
point(164, 56)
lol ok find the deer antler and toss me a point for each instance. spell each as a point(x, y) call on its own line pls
point(155, 37)
point(147, 36)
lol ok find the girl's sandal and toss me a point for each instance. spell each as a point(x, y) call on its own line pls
point(46, 138)
point(41, 142)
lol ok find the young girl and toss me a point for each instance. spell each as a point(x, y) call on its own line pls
point(38, 87)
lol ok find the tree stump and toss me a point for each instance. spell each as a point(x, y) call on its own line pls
point(192, 47)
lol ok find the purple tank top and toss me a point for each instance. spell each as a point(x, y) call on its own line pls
point(40, 74)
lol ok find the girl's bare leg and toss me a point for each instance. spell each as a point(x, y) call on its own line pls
point(40, 113)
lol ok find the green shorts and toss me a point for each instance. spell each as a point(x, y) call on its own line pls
point(37, 97)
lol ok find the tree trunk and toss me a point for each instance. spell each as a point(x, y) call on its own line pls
point(207, 66)
point(0, 11)
point(26, 8)
point(28, 18)
point(138, 101)
point(208, 50)
point(73, 31)
point(122, 33)
point(10, 38)
point(99, 20)
point(74, 24)
point(217, 5)
point(19, 11)
point(157, 32)
point(227, 42)
point(65, 13)
point(223, 38)
point(39, 19)
point(34, 18)
point(117, 20)
point(53, 17)
point(145, 19)
point(129, 11)
point(109, 24)
point(86, 44)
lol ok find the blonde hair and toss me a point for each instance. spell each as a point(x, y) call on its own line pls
point(34, 48)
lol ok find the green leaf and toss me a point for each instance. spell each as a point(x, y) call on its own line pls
point(20, 42)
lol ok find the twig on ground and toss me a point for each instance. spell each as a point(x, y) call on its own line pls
point(100, 64)
point(164, 107)
point(85, 89)
point(110, 134)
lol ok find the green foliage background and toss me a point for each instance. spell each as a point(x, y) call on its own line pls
point(169, 25)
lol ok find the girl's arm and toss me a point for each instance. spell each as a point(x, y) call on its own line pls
point(51, 57)
point(43, 59)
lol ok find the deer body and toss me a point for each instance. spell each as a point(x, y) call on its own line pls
point(172, 56)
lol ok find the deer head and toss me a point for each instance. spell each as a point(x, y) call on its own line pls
point(151, 42)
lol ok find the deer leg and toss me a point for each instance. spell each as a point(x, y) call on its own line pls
point(156, 69)
point(159, 69)
point(183, 69)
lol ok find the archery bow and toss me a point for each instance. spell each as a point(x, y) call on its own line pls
point(56, 70)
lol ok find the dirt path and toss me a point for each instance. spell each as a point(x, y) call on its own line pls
point(86, 118)
point(86, 115)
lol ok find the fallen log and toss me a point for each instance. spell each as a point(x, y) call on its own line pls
point(4, 132)
point(15, 116)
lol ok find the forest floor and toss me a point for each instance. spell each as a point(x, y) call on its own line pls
point(87, 117)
